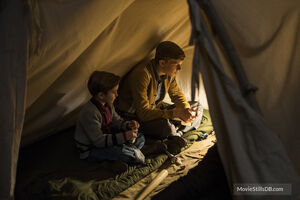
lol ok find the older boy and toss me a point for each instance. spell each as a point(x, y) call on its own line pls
point(145, 87)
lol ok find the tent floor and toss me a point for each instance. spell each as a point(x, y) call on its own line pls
point(205, 181)
point(55, 155)
point(58, 155)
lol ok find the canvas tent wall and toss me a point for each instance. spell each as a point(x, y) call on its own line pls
point(264, 159)
point(49, 48)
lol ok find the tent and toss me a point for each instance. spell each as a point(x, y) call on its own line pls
point(49, 49)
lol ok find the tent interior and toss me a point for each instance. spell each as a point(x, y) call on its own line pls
point(50, 48)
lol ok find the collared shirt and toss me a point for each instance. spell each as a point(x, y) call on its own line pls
point(106, 115)
point(160, 86)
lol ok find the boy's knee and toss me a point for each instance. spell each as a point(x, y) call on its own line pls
point(168, 129)
point(159, 128)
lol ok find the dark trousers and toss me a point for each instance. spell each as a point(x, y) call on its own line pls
point(159, 128)
point(162, 128)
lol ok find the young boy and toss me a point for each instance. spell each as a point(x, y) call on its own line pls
point(101, 134)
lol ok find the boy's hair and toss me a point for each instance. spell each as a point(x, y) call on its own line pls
point(101, 81)
point(168, 50)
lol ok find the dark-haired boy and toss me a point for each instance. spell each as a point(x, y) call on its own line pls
point(101, 134)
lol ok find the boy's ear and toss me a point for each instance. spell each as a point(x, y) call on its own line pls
point(101, 95)
point(162, 62)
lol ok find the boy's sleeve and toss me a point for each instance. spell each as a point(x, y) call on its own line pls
point(91, 122)
point(139, 84)
point(176, 96)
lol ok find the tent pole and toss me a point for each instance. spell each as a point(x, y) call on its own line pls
point(248, 90)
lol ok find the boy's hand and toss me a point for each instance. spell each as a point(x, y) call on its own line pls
point(130, 135)
point(193, 112)
point(184, 114)
point(133, 125)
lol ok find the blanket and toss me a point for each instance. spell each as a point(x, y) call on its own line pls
point(73, 185)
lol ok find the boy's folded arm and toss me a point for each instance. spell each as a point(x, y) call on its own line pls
point(148, 114)
point(92, 127)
